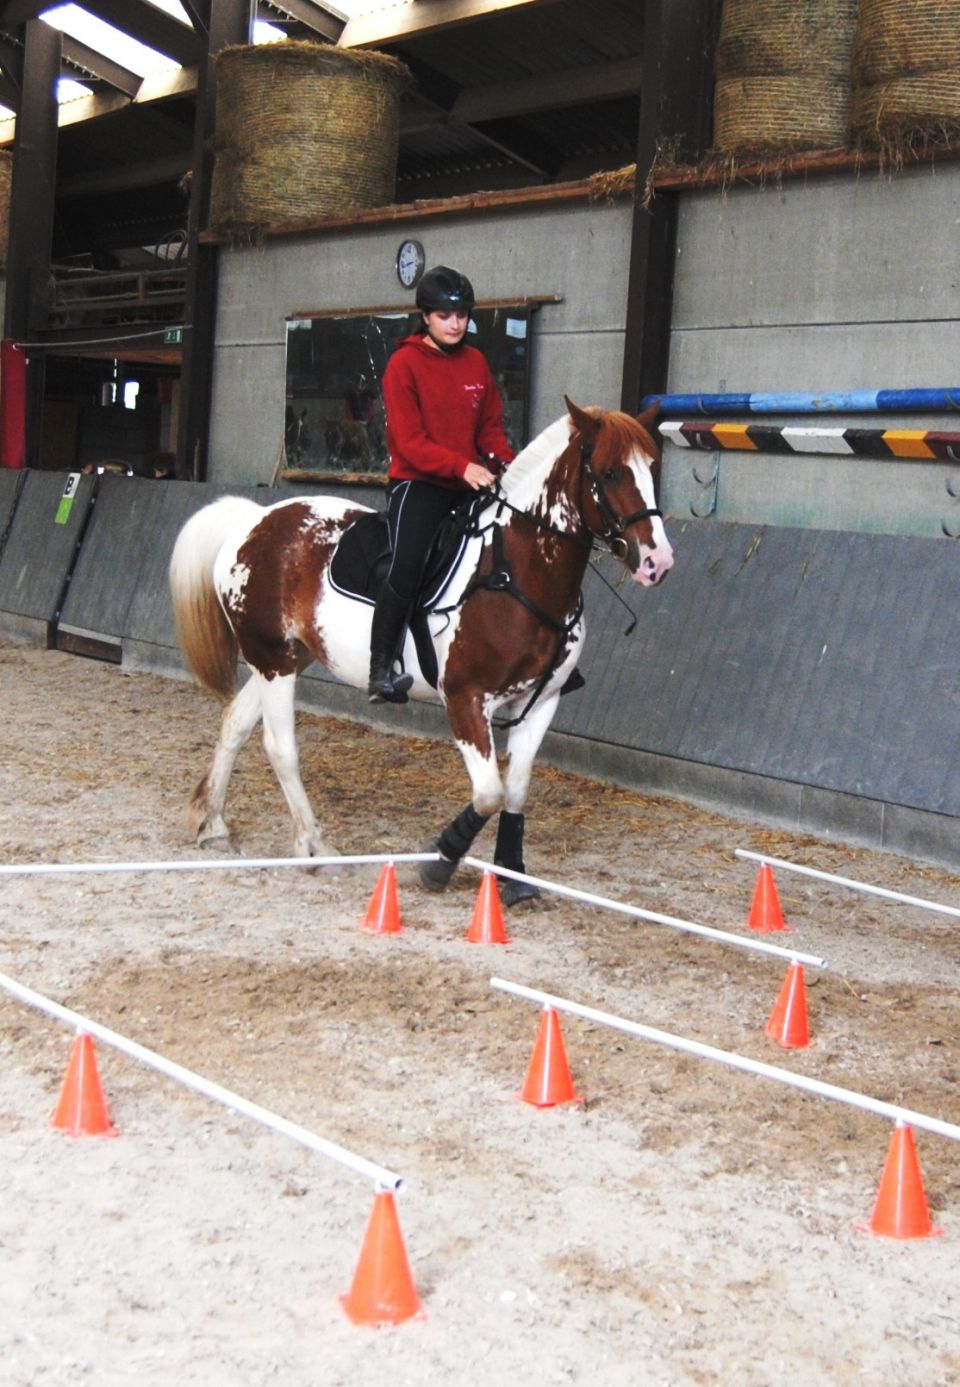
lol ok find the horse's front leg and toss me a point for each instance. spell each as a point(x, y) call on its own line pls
point(280, 744)
point(522, 746)
point(239, 719)
point(470, 722)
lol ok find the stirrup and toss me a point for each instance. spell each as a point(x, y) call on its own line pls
point(391, 689)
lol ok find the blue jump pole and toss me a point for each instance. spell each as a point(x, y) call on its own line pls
point(810, 402)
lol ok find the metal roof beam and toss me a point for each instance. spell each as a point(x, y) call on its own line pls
point(399, 22)
point(305, 12)
point(149, 25)
point(147, 174)
point(13, 13)
point(573, 87)
point(99, 66)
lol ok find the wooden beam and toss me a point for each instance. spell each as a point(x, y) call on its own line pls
point(410, 21)
point(551, 91)
point(149, 25)
point(305, 12)
point(11, 64)
point(101, 67)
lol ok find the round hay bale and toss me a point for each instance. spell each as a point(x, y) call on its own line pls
point(906, 73)
point(783, 75)
point(304, 130)
point(6, 178)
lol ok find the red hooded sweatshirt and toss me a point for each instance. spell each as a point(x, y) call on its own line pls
point(443, 411)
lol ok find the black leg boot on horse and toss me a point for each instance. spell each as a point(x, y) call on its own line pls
point(386, 635)
point(454, 842)
point(509, 853)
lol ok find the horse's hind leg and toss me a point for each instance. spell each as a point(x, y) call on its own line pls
point(240, 717)
point(280, 744)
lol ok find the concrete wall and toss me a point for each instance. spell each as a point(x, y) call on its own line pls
point(840, 283)
point(578, 251)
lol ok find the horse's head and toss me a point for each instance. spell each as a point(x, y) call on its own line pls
point(619, 466)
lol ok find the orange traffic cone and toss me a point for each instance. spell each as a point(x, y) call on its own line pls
point(383, 912)
point(787, 1022)
point(486, 924)
point(765, 913)
point(81, 1109)
point(901, 1208)
point(382, 1291)
point(548, 1082)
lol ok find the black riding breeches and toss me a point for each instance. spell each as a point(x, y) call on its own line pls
point(415, 511)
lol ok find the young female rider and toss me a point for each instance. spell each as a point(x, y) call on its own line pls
point(444, 418)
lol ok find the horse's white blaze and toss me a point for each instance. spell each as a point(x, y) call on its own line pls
point(655, 559)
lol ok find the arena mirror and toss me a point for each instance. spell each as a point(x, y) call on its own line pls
point(334, 427)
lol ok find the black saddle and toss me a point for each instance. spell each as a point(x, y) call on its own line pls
point(360, 562)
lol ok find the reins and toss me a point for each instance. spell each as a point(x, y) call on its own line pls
point(500, 578)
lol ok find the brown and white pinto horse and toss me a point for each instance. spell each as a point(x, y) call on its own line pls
point(509, 635)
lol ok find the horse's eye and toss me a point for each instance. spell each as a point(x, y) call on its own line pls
point(610, 475)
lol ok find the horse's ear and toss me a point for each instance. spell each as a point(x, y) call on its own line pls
point(648, 418)
point(582, 421)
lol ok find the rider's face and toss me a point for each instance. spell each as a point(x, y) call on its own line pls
point(445, 327)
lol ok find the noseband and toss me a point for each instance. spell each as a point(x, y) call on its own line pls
point(615, 525)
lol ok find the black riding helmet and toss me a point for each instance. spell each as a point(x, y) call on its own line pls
point(445, 290)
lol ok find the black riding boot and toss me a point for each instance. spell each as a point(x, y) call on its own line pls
point(389, 621)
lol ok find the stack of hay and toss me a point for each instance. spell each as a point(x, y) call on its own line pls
point(906, 74)
point(783, 76)
point(304, 131)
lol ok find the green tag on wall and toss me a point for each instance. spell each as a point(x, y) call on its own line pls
point(65, 505)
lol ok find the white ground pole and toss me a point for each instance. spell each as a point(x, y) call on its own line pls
point(384, 1179)
point(846, 881)
point(688, 926)
point(902, 1116)
point(235, 864)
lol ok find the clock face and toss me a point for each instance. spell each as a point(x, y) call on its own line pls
point(410, 263)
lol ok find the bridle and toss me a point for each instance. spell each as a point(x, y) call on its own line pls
point(615, 526)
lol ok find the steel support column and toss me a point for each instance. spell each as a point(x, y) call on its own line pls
point(230, 21)
point(675, 121)
point(31, 211)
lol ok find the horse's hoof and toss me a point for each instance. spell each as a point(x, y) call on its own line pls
point(435, 876)
point(513, 892)
point(219, 847)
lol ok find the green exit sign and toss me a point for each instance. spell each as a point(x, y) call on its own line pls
point(172, 336)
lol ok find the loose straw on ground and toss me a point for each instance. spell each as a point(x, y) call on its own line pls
point(905, 1116)
point(846, 881)
point(383, 1178)
point(638, 913)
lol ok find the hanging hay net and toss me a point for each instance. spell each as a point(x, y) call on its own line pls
point(6, 176)
point(906, 74)
point(304, 131)
point(783, 76)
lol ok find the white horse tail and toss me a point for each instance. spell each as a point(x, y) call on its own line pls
point(206, 638)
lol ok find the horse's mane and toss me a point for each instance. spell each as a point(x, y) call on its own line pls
point(619, 435)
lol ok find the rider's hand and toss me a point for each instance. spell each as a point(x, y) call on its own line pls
point(477, 476)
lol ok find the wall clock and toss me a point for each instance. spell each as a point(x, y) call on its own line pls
point(411, 262)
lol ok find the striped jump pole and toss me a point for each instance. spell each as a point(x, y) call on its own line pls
point(882, 891)
point(938, 398)
point(916, 445)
